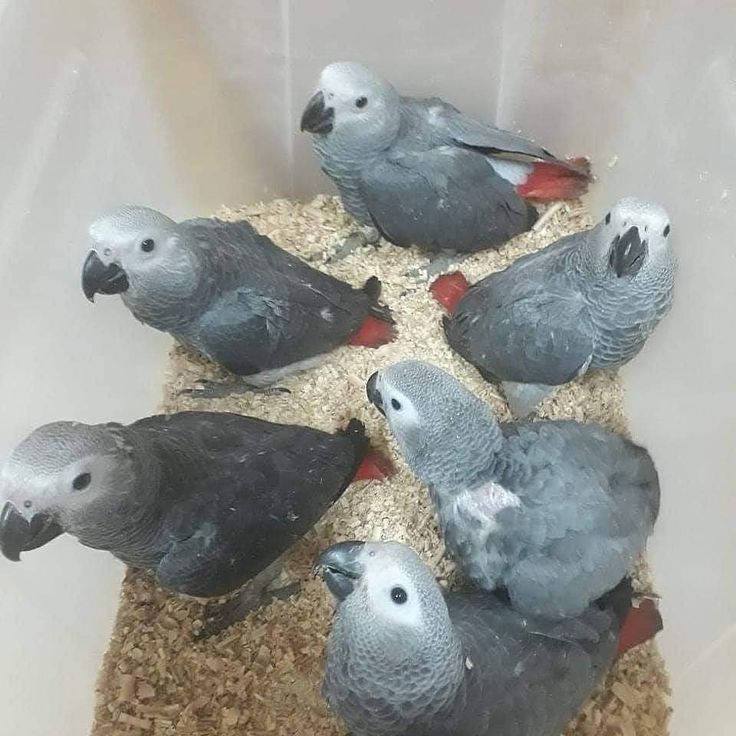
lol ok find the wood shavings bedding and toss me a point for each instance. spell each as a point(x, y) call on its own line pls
point(263, 676)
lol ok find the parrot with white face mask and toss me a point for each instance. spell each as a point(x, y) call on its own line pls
point(555, 512)
point(230, 294)
point(206, 501)
point(588, 301)
point(406, 659)
point(422, 173)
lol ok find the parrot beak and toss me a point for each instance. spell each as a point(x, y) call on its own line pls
point(340, 567)
point(317, 118)
point(17, 534)
point(97, 278)
point(374, 395)
point(627, 253)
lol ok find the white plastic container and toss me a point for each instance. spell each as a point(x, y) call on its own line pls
point(185, 105)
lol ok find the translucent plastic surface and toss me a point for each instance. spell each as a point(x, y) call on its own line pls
point(183, 105)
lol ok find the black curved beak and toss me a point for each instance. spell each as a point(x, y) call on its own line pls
point(97, 278)
point(340, 567)
point(317, 118)
point(17, 534)
point(627, 252)
point(374, 395)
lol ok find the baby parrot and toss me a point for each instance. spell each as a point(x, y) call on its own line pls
point(588, 301)
point(207, 501)
point(404, 658)
point(554, 512)
point(229, 293)
point(421, 172)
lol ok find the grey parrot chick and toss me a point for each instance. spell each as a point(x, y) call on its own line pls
point(588, 301)
point(229, 293)
point(424, 174)
point(555, 512)
point(206, 501)
point(403, 658)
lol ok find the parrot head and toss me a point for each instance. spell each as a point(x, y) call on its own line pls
point(384, 583)
point(137, 252)
point(633, 237)
point(435, 420)
point(353, 106)
point(58, 479)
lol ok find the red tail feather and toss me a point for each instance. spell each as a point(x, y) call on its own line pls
point(374, 466)
point(449, 289)
point(640, 625)
point(373, 333)
point(549, 181)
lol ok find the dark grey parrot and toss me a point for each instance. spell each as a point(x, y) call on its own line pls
point(422, 173)
point(555, 512)
point(588, 301)
point(406, 659)
point(206, 501)
point(230, 294)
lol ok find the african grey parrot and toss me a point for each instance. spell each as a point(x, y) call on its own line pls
point(207, 501)
point(589, 300)
point(554, 512)
point(421, 172)
point(229, 293)
point(405, 659)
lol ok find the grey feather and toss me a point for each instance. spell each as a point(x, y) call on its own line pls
point(419, 170)
point(204, 500)
point(555, 512)
point(554, 314)
point(460, 665)
point(231, 294)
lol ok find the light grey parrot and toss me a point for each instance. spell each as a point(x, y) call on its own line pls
point(206, 501)
point(554, 512)
point(421, 172)
point(588, 301)
point(230, 294)
point(404, 659)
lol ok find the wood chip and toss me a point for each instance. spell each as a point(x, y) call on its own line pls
point(143, 723)
point(267, 670)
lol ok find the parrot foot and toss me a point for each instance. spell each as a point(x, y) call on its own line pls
point(236, 609)
point(357, 239)
point(438, 263)
point(219, 390)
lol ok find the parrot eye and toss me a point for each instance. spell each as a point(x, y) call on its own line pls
point(398, 595)
point(28, 504)
point(608, 218)
point(666, 230)
point(147, 245)
point(81, 481)
point(361, 102)
point(396, 404)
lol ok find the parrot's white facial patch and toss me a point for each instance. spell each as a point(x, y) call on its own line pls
point(136, 238)
point(358, 97)
point(32, 490)
point(651, 220)
point(398, 407)
point(392, 595)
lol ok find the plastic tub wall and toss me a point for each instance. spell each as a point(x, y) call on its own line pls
point(185, 105)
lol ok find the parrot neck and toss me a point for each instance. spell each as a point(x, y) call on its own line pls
point(127, 522)
point(461, 455)
point(626, 310)
point(420, 673)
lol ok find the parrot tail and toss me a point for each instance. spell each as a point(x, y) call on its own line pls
point(640, 622)
point(374, 464)
point(449, 289)
point(550, 181)
point(378, 327)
